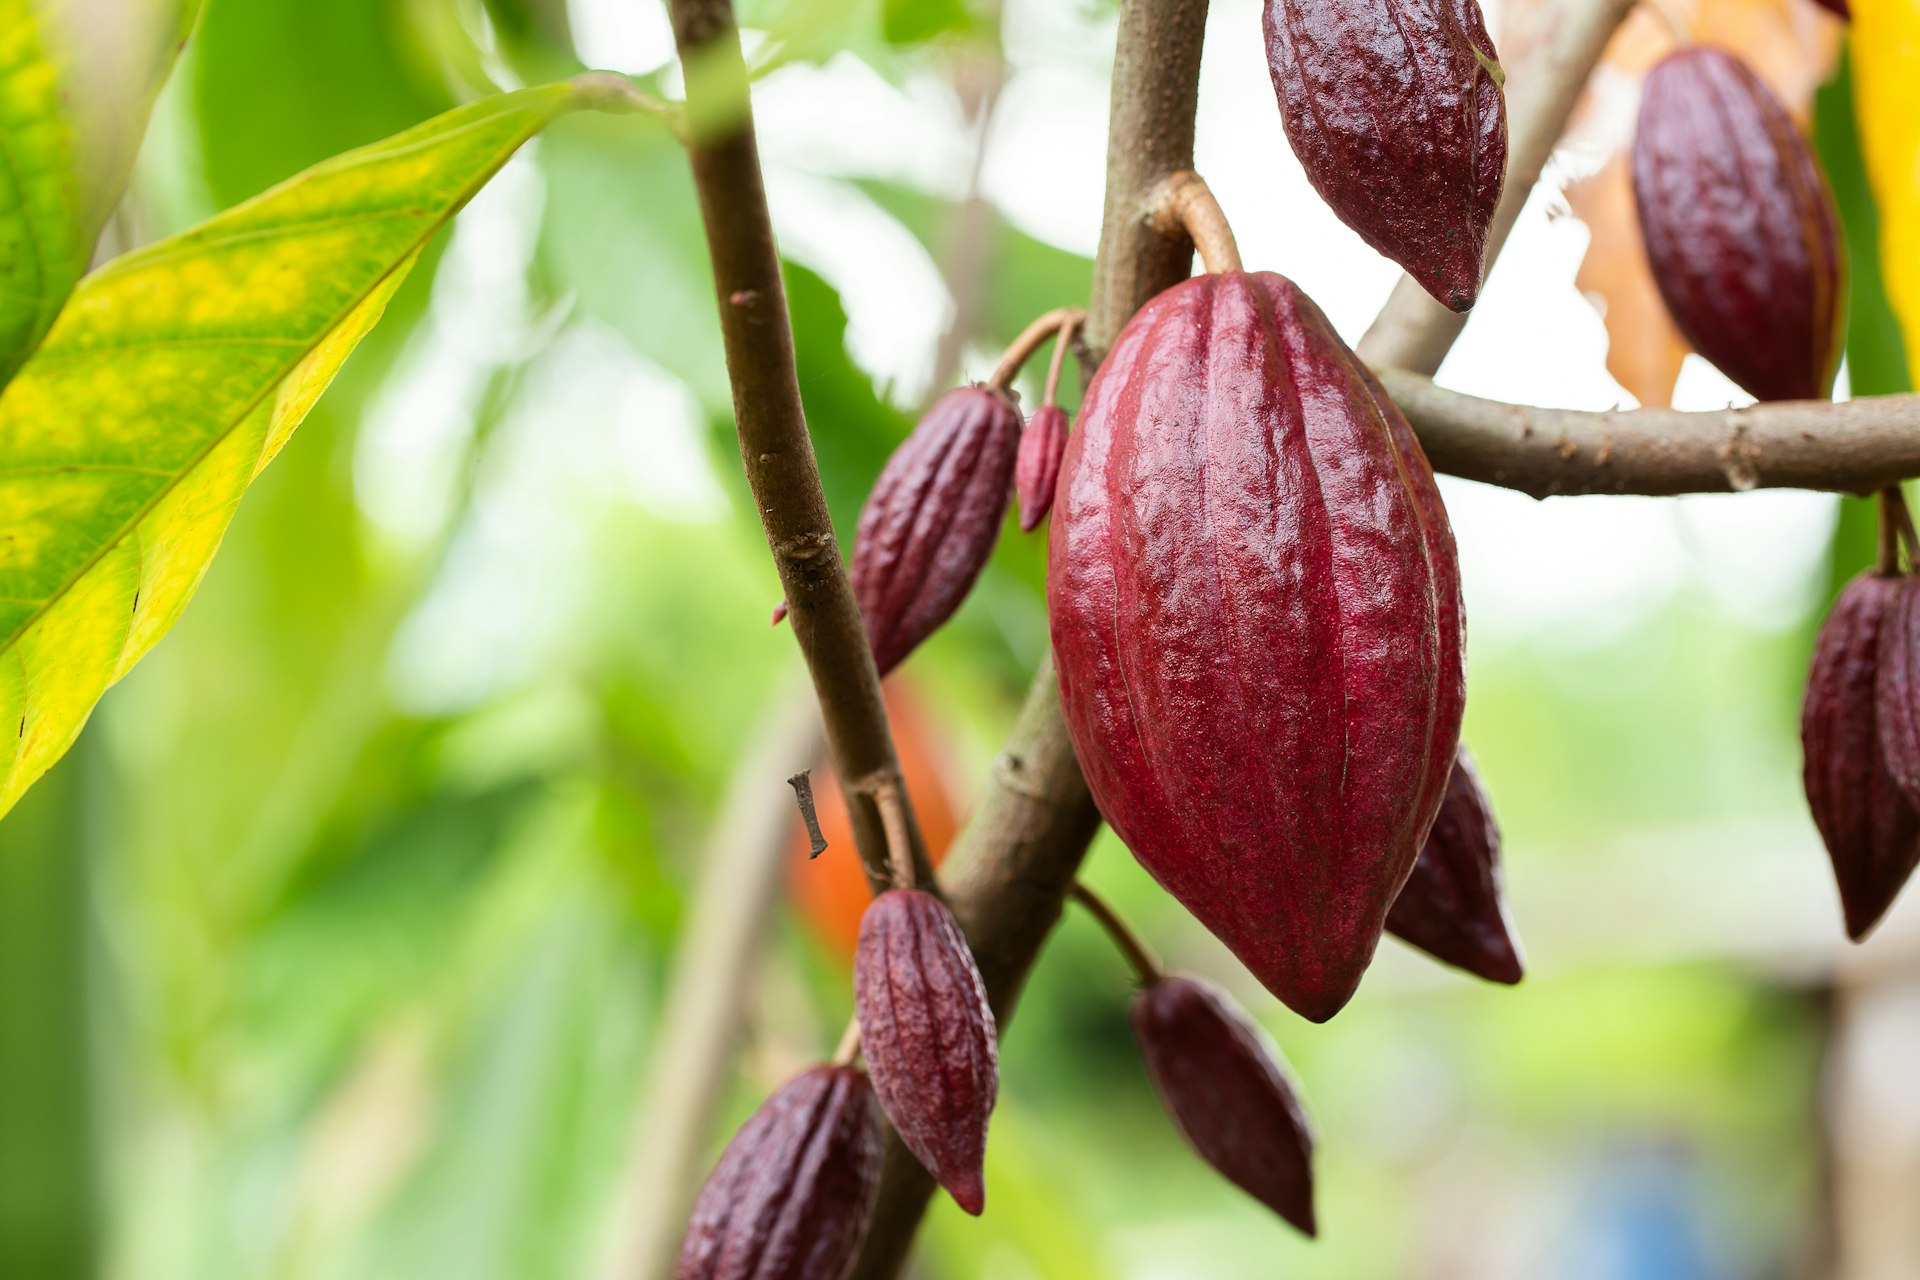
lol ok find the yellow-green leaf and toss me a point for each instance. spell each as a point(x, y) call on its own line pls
point(171, 378)
point(77, 81)
point(1885, 42)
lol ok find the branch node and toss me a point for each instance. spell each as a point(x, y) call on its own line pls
point(1183, 204)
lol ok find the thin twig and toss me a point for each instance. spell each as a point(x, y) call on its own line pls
point(1183, 205)
point(774, 445)
point(1887, 562)
point(802, 784)
point(849, 1047)
point(1130, 945)
point(1062, 342)
point(893, 819)
point(1031, 339)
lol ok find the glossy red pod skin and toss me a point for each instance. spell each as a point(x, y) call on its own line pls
point(1740, 229)
point(928, 1036)
point(1255, 609)
point(1037, 470)
point(1221, 1079)
point(1871, 830)
point(793, 1194)
point(1396, 112)
point(1454, 905)
point(931, 521)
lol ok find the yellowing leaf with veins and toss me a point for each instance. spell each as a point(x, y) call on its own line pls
point(171, 378)
point(77, 79)
point(1886, 100)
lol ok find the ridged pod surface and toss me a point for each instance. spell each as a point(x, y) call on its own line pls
point(1395, 110)
point(1220, 1077)
point(928, 1036)
point(1872, 831)
point(1453, 906)
point(1255, 608)
point(1897, 689)
point(794, 1191)
point(932, 519)
point(1740, 229)
point(1037, 469)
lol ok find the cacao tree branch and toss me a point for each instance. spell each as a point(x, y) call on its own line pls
point(1855, 447)
point(1016, 859)
point(774, 445)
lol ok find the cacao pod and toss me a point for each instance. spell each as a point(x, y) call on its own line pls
point(1221, 1078)
point(1255, 609)
point(794, 1191)
point(1395, 110)
point(1740, 229)
point(1037, 468)
point(928, 1036)
point(932, 519)
point(1872, 831)
point(1897, 689)
point(1453, 906)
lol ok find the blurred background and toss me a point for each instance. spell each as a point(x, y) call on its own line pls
point(344, 944)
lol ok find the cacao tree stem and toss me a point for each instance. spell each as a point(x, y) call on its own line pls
point(893, 820)
point(1183, 205)
point(774, 445)
point(1887, 563)
point(1144, 966)
point(1059, 321)
point(1856, 447)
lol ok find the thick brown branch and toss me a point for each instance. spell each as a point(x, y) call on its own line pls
point(1855, 447)
point(774, 445)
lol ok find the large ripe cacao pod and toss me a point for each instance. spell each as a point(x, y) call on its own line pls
point(1220, 1077)
point(1454, 906)
point(1871, 829)
point(794, 1191)
point(1740, 229)
point(928, 1036)
point(1395, 110)
point(932, 519)
point(1255, 609)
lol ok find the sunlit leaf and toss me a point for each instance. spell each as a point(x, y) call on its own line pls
point(77, 79)
point(1886, 47)
point(174, 375)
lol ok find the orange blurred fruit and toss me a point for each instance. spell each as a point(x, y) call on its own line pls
point(830, 892)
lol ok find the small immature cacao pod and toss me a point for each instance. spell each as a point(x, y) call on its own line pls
point(1038, 466)
point(1871, 829)
point(1220, 1077)
point(794, 1191)
point(1740, 229)
point(932, 519)
point(1453, 906)
point(1255, 608)
point(928, 1036)
point(1395, 110)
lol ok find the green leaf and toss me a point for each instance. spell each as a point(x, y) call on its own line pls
point(74, 100)
point(173, 376)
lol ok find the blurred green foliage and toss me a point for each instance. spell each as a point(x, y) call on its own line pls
point(351, 963)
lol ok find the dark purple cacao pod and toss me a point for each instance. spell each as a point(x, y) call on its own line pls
point(794, 1191)
point(1255, 609)
point(1872, 831)
point(1220, 1077)
point(928, 1036)
point(932, 519)
point(1453, 906)
point(1739, 226)
point(1897, 688)
point(1395, 110)
point(1037, 469)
